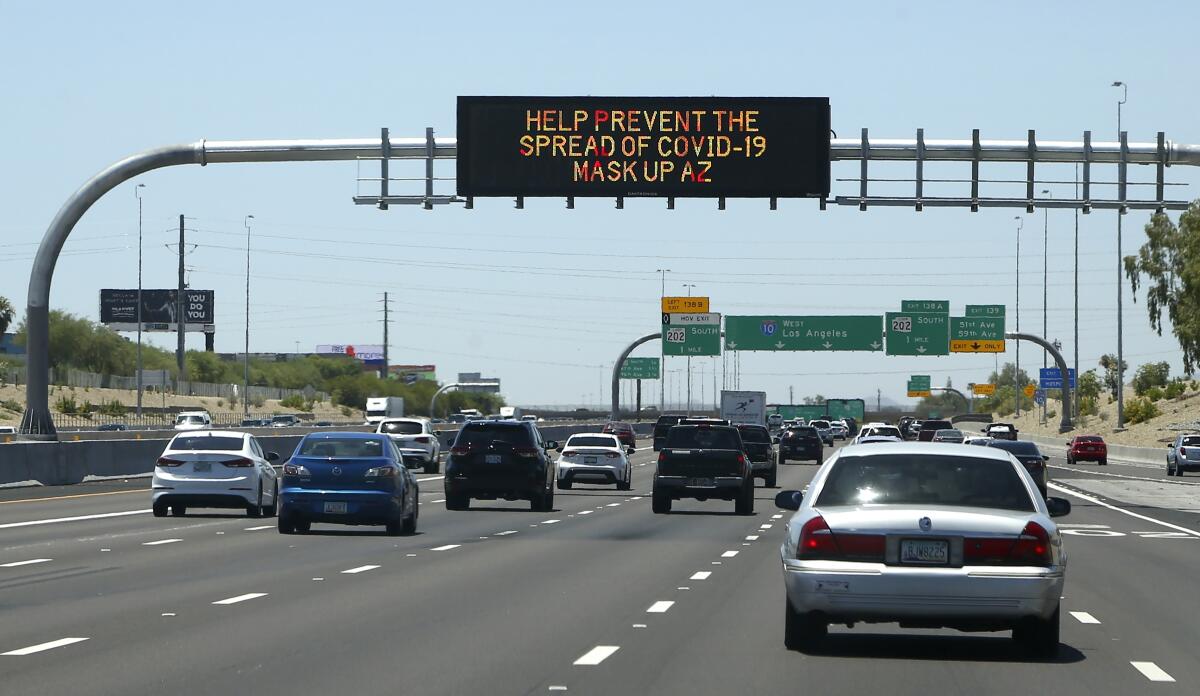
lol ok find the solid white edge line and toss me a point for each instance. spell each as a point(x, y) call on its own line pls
point(701, 575)
point(260, 527)
point(1152, 672)
point(596, 655)
point(1084, 617)
point(660, 607)
point(447, 547)
point(1123, 511)
point(46, 646)
point(241, 598)
point(80, 518)
point(31, 561)
point(360, 569)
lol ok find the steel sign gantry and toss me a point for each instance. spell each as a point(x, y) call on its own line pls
point(37, 422)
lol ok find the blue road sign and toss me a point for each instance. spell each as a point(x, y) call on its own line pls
point(1039, 397)
point(1051, 377)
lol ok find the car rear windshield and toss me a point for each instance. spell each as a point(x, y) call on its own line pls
point(401, 427)
point(819, 424)
point(341, 447)
point(885, 431)
point(704, 437)
point(484, 434)
point(755, 434)
point(189, 419)
point(1089, 438)
point(805, 432)
point(936, 425)
point(668, 420)
point(919, 479)
point(1190, 441)
point(1017, 447)
point(200, 443)
point(592, 441)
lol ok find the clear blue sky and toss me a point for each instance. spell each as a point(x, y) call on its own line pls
point(543, 297)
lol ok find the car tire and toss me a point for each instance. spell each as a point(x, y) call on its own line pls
point(178, 510)
point(771, 478)
point(744, 504)
point(660, 504)
point(564, 485)
point(1104, 462)
point(285, 525)
point(626, 484)
point(802, 631)
point(432, 467)
point(255, 509)
point(458, 502)
point(782, 459)
point(1040, 637)
point(394, 527)
point(272, 509)
point(1070, 461)
point(160, 509)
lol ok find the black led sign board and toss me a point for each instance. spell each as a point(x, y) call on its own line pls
point(687, 147)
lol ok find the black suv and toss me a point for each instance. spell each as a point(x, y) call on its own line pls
point(760, 450)
point(663, 426)
point(801, 443)
point(500, 459)
point(929, 427)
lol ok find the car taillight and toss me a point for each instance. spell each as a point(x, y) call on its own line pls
point(381, 472)
point(460, 450)
point(1032, 547)
point(662, 456)
point(296, 470)
point(569, 453)
point(818, 542)
point(238, 463)
point(987, 551)
point(611, 455)
point(528, 452)
point(169, 462)
point(1182, 450)
point(423, 439)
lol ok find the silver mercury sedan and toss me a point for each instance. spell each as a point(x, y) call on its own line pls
point(927, 536)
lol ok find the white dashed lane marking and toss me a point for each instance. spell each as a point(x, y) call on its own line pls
point(241, 598)
point(44, 646)
point(586, 512)
point(612, 505)
point(56, 520)
point(260, 527)
point(598, 654)
point(31, 561)
point(659, 607)
point(1152, 672)
point(752, 537)
point(447, 547)
point(1084, 617)
point(360, 569)
point(506, 533)
point(551, 521)
point(729, 554)
point(701, 575)
point(160, 542)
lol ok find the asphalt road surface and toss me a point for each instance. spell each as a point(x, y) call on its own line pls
point(598, 597)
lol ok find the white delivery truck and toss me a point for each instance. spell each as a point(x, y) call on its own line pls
point(511, 412)
point(744, 407)
point(380, 407)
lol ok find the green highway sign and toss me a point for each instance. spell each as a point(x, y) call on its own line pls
point(917, 333)
point(692, 339)
point(919, 382)
point(977, 334)
point(927, 306)
point(989, 311)
point(846, 408)
point(805, 411)
point(803, 333)
point(640, 368)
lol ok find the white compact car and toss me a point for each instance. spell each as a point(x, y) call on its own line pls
point(193, 420)
point(927, 536)
point(880, 430)
point(415, 439)
point(594, 458)
point(215, 469)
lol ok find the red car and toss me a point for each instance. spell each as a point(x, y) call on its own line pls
point(623, 431)
point(1088, 448)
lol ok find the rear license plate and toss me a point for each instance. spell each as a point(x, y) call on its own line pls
point(335, 508)
point(925, 551)
point(700, 483)
point(589, 460)
point(202, 467)
point(491, 459)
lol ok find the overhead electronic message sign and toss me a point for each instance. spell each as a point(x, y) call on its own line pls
point(698, 147)
point(118, 309)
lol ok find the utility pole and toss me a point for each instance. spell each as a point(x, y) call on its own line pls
point(246, 353)
point(180, 318)
point(137, 191)
point(1120, 326)
point(791, 395)
point(1017, 371)
point(878, 400)
point(383, 371)
point(689, 287)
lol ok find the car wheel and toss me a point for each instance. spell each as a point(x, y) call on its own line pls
point(302, 526)
point(564, 485)
point(285, 525)
point(160, 510)
point(1040, 637)
point(549, 499)
point(660, 504)
point(395, 527)
point(770, 481)
point(432, 467)
point(458, 502)
point(801, 631)
point(1070, 462)
point(255, 509)
point(178, 510)
point(744, 505)
point(1104, 462)
point(272, 509)
point(410, 523)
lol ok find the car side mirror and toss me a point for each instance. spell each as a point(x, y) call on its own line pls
point(1058, 507)
point(1171, 446)
point(553, 444)
point(788, 500)
point(272, 456)
point(631, 450)
point(1045, 457)
point(1069, 443)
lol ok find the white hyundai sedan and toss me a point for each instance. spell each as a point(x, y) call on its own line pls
point(215, 469)
point(927, 536)
point(594, 458)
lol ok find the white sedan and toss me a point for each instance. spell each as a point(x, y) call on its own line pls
point(879, 430)
point(594, 458)
point(215, 469)
point(927, 536)
point(415, 439)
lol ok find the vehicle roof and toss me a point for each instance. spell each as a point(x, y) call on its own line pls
point(404, 419)
point(343, 435)
point(213, 433)
point(192, 413)
point(749, 425)
point(926, 448)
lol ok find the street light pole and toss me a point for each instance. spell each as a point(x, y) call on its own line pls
point(689, 287)
point(1075, 392)
point(246, 353)
point(662, 367)
point(1017, 371)
point(1120, 325)
point(1045, 284)
point(137, 191)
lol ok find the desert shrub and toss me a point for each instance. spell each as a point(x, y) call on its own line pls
point(1140, 410)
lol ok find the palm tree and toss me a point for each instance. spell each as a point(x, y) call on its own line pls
point(6, 314)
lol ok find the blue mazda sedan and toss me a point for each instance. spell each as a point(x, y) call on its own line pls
point(347, 478)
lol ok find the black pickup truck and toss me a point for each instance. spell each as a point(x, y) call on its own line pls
point(702, 462)
point(663, 426)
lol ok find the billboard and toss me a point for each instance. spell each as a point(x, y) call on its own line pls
point(118, 309)
point(366, 352)
point(411, 374)
point(697, 147)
